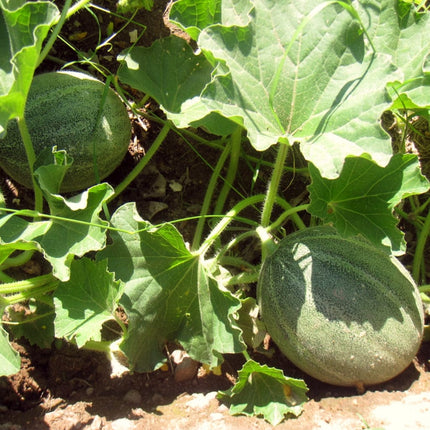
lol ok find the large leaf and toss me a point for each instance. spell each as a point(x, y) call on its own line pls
point(409, 44)
point(362, 198)
point(83, 303)
point(309, 71)
point(170, 78)
point(263, 390)
point(74, 229)
point(171, 73)
point(23, 27)
point(169, 295)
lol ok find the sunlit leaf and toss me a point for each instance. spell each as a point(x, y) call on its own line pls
point(265, 391)
point(10, 361)
point(23, 27)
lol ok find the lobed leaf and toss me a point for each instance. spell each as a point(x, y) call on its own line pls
point(362, 198)
point(37, 326)
point(193, 16)
point(84, 302)
point(74, 229)
point(23, 27)
point(266, 391)
point(169, 295)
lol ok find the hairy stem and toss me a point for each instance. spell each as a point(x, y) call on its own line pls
point(419, 250)
point(208, 197)
point(275, 180)
point(227, 219)
point(236, 140)
point(31, 158)
point(142, 163)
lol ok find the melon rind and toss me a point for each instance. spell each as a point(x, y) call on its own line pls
point(340, 309)
point(62, 110)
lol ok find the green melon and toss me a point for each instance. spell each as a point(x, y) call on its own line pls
point(62, 110)
point(340, 309)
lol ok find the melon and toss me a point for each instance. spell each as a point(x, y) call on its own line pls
point(339, 308)
point(65, 109)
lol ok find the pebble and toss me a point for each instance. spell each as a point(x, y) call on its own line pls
point(186, 368)
point(201, 401)
point(96, 424)
point(123, 424)
point(133, 397)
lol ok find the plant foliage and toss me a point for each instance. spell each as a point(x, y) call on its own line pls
point(320, 73)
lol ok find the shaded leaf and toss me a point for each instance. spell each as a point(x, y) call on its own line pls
point(362, 198)
point(266, 391)
point(169, 295)
point(168, 70)
point(37, 326)
point(83, 303)
point(74, 230)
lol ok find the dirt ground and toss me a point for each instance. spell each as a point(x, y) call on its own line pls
point(65, 388)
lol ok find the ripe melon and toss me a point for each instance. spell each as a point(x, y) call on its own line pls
point(340, 309)
point(63, 109)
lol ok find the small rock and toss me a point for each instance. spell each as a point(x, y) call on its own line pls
point(96, 424)
point(122, 424)
point(216, 416)
point(186, 368)
point(133, 397)
point(201, 401)
point(89, 391)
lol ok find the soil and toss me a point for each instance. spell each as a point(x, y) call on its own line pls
point(65, 388)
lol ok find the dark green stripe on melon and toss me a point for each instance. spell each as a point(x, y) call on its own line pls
point(340, 309)
point(62, 110)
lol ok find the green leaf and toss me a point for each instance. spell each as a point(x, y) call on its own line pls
point(193, 16)
point(37, 326)
point(414, 91)
point(266, 391)
point(74, 230)
point(50, 168)
point(172, 73)
point(308, 71)
point(23, 27)
point(253, 329)
point(299, 73)
point(83, 303)
point(10, 361)
point(169, 295)
point(362, 198)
